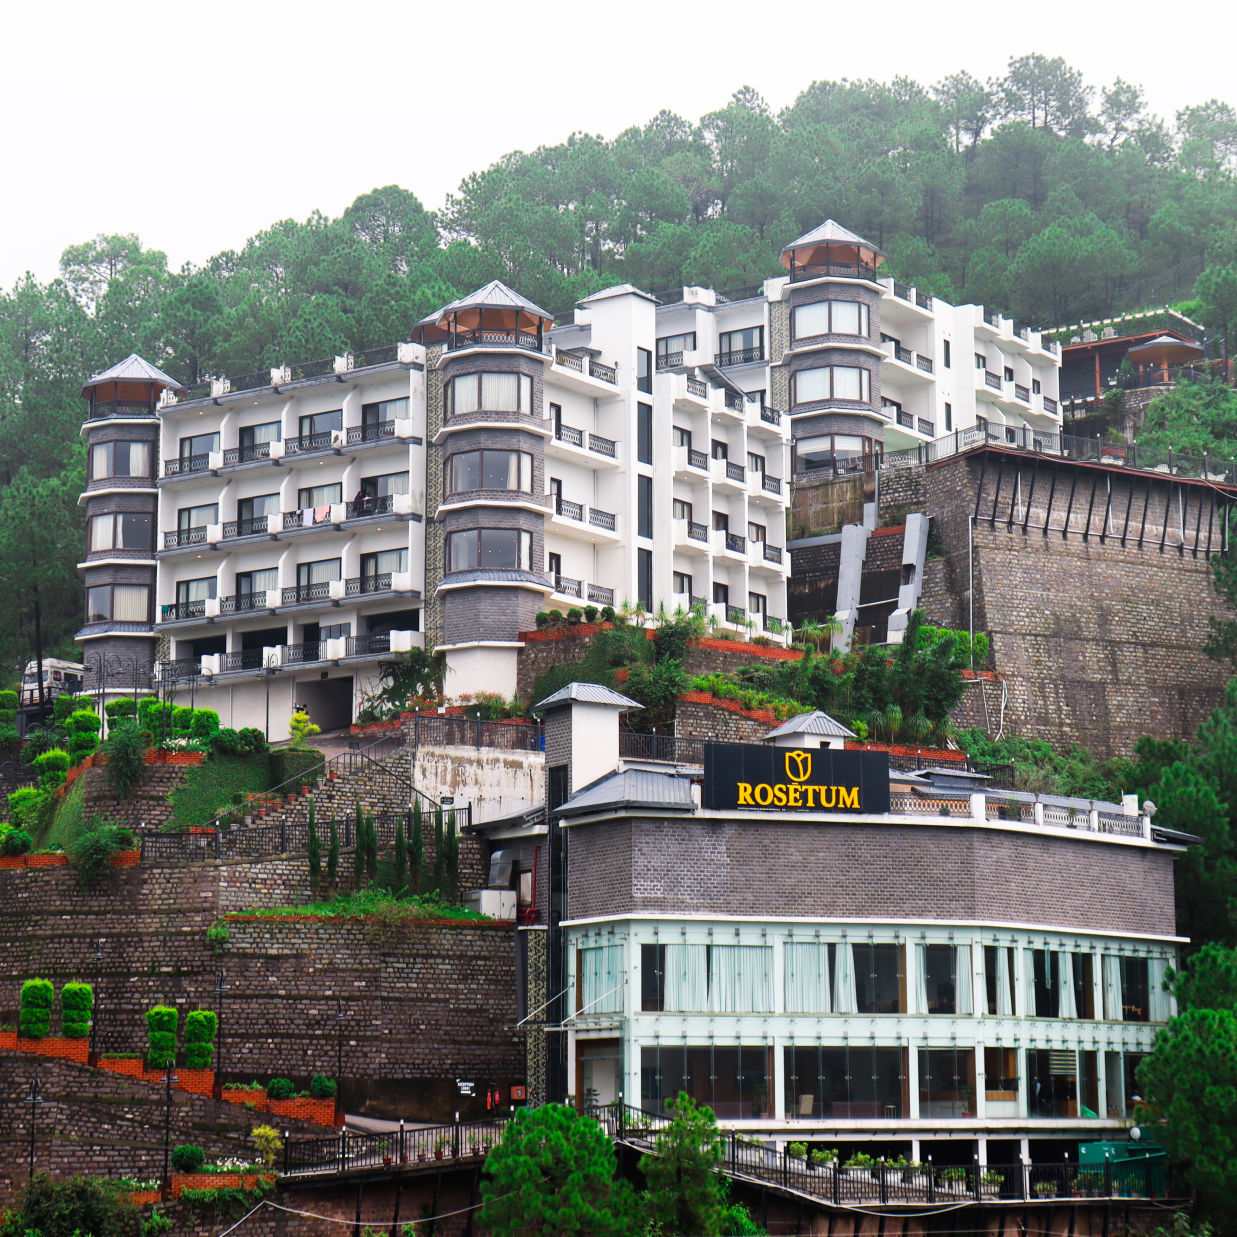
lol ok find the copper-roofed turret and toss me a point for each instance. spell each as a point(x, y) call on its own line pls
point(492, 316)
point(131, 387)
point(831, 251)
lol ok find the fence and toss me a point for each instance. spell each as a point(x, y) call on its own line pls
point(672, 749)
point(425, 1145)
point(456, 730)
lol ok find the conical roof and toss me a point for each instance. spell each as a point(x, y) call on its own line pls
point(493, 295)
point(825, 237)
point(132, 369)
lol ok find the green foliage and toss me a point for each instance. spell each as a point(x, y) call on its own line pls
point(126, 757)
point(1039, 767)
point(35, 1016)
point(371, 847)
point(332, 858)
point(229, 1201)
point(399, 882)
point(210, 788)
point(28, 806)
point(56, 760)
point(247, 742)
point(217, 936)
point(91, 852)
point(359, 848)
point(76, 1004)
point(15, 842)
point(315, 851)
point(266, 1140)
point(301, 728)
point(1208, 980)
point(70, 1207)
point(188, 1158)
point(553, 1174)
point(416, 676)
point(155, 1224)
point(201, 1026)
point(416, 861)
point(161, 1023)
point(280, 1089)
point(289, 765)
point(120, 708)
point(1193, 418)
point(375, 904)
point(322, 1088)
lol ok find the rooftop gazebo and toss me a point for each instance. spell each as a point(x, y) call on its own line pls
point(831, 251)
point(1159, 354)
point(492, 316)
point(130, 388)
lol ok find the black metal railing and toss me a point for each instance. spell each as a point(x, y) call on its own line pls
point(924, 363)
point(358, 434)
point(306, 518)
point(772, 553)
point(697, 532)
point(454, 730)
point(408, 1147)
point(302, 594)
point(991, 380)
point(602, 519)
point(733, 402)
point(668, 360)
point(183, 668)
point(241, 603)
point(774, 624)
point(735, 472)
point(770, 416)
point(736, 615)
point(901, 291)
point(186, 464)
point(567, 586)
point(772, 485)
point(923, 300)
point(925, 427)
point(363, 508)
point(741, 356)
point(569, 433)
point(183, 610)
point(602, 446)
point(905, 355)
point(247, 454)
point(674, 749)
point(120, 408)
point(567, 509)
point(306, 443)
point(600, 595)
point(184, 536)
point(697, 459)
point(992, 318)
point(246, 659)
point(368, 645)
point(372, 582)
point(305, 370)
point(906, 419)
point(491, 337)
point(1022, 393)
point(387, 355)
point(569, 360)
point(833, 270)
point(697, 388)
point(1050, 404)
point(604, 373)
point(298, 654)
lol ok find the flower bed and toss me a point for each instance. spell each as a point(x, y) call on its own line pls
point(930, 755)
point(217, 1181)
point(731, 706)
point(565, 631)
point(169, 756)
point(245, 1095)
point(769, 652)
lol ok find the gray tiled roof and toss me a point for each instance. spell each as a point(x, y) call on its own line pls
point(815, 723)
point(831, 233)
point(632, 788)
point(132, 369)
point(586, 693)
point(494, 295)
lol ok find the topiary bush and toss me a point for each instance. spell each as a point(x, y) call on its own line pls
point(280, 1089)
point(322, 1088)
point(201, 1026)
point(161, 1023)
point(188, 1158)
point(35, 1018)
point(116, 710)
point(76, 1005)
point(204, 723)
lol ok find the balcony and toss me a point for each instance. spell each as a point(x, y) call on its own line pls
point(743, 356)
point(185, 537)
point(243, 603)
point(773, 553)
point(992, 381)
point(992, 318)
point(924, 363)
point(178, 611)
point(727, 473)
point(697, 532)
point(833, 270)
point(736, 544)
point(359, 435)
point(366, 508)
point(927, 428)
point(603, 373)
point(733, 402)
point(595, 443)
point(697, 388)
point(771, 485)
point(303, 594)
point(602, 519)
point(120, 408)
point(375, 582)
point(591, 523)
point(569, 360)
point(1022, 393)
point(600, 595)
point(770, 416)
point(905, 355)
point(586, 366)
point(690, 465)
point(736, 616)
point(245, 659)
point(374, 643)
point(495, 338)
point(307, 444)
point(567, 586)
point(670, 360)
point(905, 419)
point(299, 654)
point(250, 454)
point(186, 465)
point(1050, 405)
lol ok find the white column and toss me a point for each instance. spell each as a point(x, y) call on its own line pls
point(778, 1081)
point(912, 1082)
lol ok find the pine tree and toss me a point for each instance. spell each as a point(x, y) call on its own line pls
point(332, 858)
point(371, 847)
point(400, 884)
point(315, 853)
point(417, 864)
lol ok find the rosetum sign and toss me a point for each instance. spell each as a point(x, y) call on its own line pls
point(748, 775)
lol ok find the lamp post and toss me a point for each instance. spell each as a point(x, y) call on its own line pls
point(36, 1098)
point(270, 668)
point(94, 1012)
point(169, 1077)
point(220, 989)
point(339, 1043)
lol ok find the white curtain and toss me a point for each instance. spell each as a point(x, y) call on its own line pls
point(1068, 1006)
point(1113, 1002)
point(812, 320)
point(921, 979)
point(811, 384)
point(686, 978)
point(807, 978)
point(464, 394)
point(848, 318)
point(962, 968)
point(601, 988)
point(319, 572)
point(845, 999)
point(1028, 983)
point(1161, 1009)
point(740, 979)
point(129, 604)
point(500, 392)
point(102, 532)
point(1004, 992)
point(847, 382)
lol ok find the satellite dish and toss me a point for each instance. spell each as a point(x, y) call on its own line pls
point(1149, 807)
point(1135, 1133)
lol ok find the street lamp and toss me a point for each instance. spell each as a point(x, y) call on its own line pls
point(339, 1042)
point(94, 1012)
point(169, 1077)
point(270, 668)
point(220, 989)
point(36, 1098)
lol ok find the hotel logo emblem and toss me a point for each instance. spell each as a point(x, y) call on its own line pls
point(798, 766)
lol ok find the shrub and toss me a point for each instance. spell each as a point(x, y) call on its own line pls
point(266, 1140)
point(188, 1158)
point(126, 757)
point(76, 1003)
point(25, 806)
point(607, 614)
point(63, 706)
point(280, 1089)
point(590, 614)
point(556, 618)
point(91, 851)
point(35, 1018)
point(161, 1023)
point(15, 842)
point(205, 722)
point(121, 708)
point(301, 728)
point(83, 720)
point(574, 615)
point(322, 1088)
point(201, 1026)
point(289, 764)
point(8, 700)
point(54, 761)
point(543, 619)
point(252, 740)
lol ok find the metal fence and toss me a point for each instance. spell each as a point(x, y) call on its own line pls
point(455, 730)
point(348, 1151)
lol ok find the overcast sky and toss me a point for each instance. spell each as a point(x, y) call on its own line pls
point(196, 125)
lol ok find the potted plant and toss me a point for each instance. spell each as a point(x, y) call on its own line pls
point(990, 1183)
point(1045, 1189)
point(954, 1178)
point(797, 1151)
point(818, 1159)
point(442, 1143)
point(861, 1161)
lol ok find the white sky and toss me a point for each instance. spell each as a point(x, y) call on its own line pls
point(196, 125)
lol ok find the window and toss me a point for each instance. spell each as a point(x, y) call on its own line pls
point(854, 1081)
point(490, 393)
point(386, 410)
point(721, 594)
point(323, 423)
point(832, 382)
point(334, 631)
point(756, 532)
point(877, 976)
point(602, 975)
point(382, 562)
point(122, 531)
point(1035, 386)
point(555, 565)
point(680, 510)
point(253, 436)
point(947, 355)
point(682, 583)
point(682, 437)
point(644, 371)
point(121, 603)
point(257, 507)
point(644, 506)
point(119, 459)
point(999, 979)
point(720, 450)
point(944, 979)
point(721, 522)
point(251, 584)
point(742, 346)
point(670, 348)
point(756, 604)
point(981, 361)
point(320, 495)
point(506, 549)
point(1009, 374)
point(644, 577)
point(830, 318)
point(755, 463)
point(385, 484)
point(695, 978)
point(652, 978)
point(198, 444)
point(322, 571)
point(644, 433)
point(826, 450)
point(197, 517)
point(490, 470)
point(949, 418)
point(556, 417)
point(201, 589)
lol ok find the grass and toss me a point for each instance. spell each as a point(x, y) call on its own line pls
point(374, 902)
point(210, 787)
point(69, 819)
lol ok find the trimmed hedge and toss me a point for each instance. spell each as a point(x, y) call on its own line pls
point(322, 1088)
point(76, 1004)
point(280, 1089)
point(161, 1022)
point(188, 1158)
point(289, 763)
point(200, 1028)
point(35, 1019)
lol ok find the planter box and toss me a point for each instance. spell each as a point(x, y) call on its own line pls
point(58, 1047)
point(197, 1081)
point(233, 1095)
point(217, 1181)
point(126, 859)
point(130, 1067)
point(46, 861)
point(8, 1039)
point(320, 1112)
point(158, 756)
point(140, 1198)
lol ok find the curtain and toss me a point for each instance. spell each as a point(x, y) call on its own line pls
point(500, 392)
point(812, 320)
point(739, 983)
point(1068, 1004)
point(318, 572)
point(962, 979)
point(102, 534)
point(846, 318)
point(811, 384)
point(845, 999)
point(139, 458)
point(186, 590)
point(807, 979)
point(1113, 1003)
point(599, 974)
point(129, 604)
point(847, 382)
point(1160, 1003)
point(526, 393)
point(1028, 983)
point(1004, 992)
point(686, 978)
point(921, 979)
point(464, 393)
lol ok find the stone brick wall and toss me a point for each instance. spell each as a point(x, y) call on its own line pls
point(868, 871)
point(146, 805)
point(884, 551)
point(812, 588)
point(716, 724)
point(900, 487)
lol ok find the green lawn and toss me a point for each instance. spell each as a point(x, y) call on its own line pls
point(210, 787)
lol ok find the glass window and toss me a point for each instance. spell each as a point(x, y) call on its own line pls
point(683, 583)
point(741, 346)
point(644, 433)
point(123, 603)
point(644, 578)
point(644, 506)
point(832, 382)
point(721, 522)
point(197, 517)
point(321, 422)
point(721, 594)
point(670, 348)
point(254, 435)
point(877, 976)
point(119, 459)
point(201, 589)
point(320, 495)
point(505, 549)
point(386, 410)
point(949, 418)
point(320, 572)
point(755, 532)
point(122, 531)
point(385, 484)
point(383, 561)
point(490, 470)
point(490, 393)
point(250, 582)
point(947, 354)
point(999, 979)
point(720, 450)
point(757, 603)
point(830, 318)
point(680, 510)
point(644, 371)
point(946, 1082)
point(981, 361)
point(602, 976)
point(682, 437)
point(257, 506)
point(755, 463)
point(856, 1081)
point(198, 444)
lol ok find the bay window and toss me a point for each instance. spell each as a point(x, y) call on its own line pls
point(122, 603)
point(490, 470)
point(508, 549)
point(119, 459)
point(849, 382)
point(120, 531)
point(831, 318)
point(489, 393)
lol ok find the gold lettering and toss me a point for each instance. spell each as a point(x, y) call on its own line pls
point(828, 796)
point(848, 796)
point(779, 796)
point(763, 793)
point(745, 793)
point(794, 796)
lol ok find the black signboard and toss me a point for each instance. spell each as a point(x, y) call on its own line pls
point(786, 779)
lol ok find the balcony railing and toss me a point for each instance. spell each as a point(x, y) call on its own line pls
point(363, 508)
point(1022, 393)
point(603, 446)
point(736, 543)
point(307, 443)
point(773, 553)
point(602, 519)
point(600, 595)
point(672, 749)
point(925, 363)
point(184, 536)
point(251, 527)
point(302, 594)
point(247, 454)
point(697, 388)
point(119, 408)
point(734, 402)
point(697, 459)
point(296, 654)
point(992, 318)
point(184, 668)
point(567, 586)
point(905, 355)
point(567, 509)
point(669, 360)
point(736, 615)
point(735, 472)
point(923, 300)
point(374, 642)
point(374, 582)
point(358, 434)
point(1050, 404)
point(906, 419)
point(242, 603)
point(770, 416)
point(833, 270)
point(569, 360)
point(376, 356)
point(569, 433)
point(773, 623)
point(183, 610)
point(298, 519)
point(901, 291)
point(491, 338)
point(246, 659)
point(992, 380)
point(926, 427)
point(185, 465)
point(697, 532)
point(771, 485)
point(741, 356)
point(603, 373)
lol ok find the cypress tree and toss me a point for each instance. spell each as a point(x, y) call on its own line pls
point(358, 852)
point(439, 868)
point(332, 857)
point(400, 883)
point(417, 864)
point(371, 847)
point(315, 852)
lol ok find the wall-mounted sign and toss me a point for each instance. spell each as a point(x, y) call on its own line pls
point(751, 775)
point(465, 1087)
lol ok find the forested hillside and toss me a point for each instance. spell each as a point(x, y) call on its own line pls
point(1037, 194)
